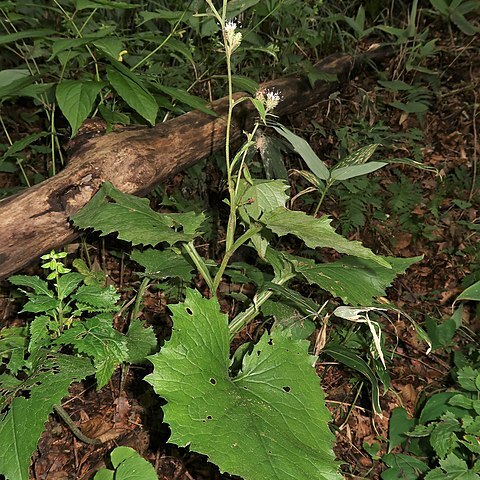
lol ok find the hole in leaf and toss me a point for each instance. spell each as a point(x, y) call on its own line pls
point(270, 342)
point(245, 387)
point(213, 381)
point(189, 311)
point(286, 389)
point(209, 417)
point(259, 352)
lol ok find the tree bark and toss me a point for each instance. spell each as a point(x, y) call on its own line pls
point(135, 161)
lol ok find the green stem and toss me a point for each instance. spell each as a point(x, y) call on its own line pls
point(228, 254)
point(327, 186)
point(242, 319)
point(200, 264)
point(138, 301)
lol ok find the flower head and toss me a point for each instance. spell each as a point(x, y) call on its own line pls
point(232, 38)
point(269, 98)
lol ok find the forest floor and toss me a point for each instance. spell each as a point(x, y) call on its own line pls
point(126, 412)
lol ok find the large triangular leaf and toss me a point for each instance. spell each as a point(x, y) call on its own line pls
point(355, 280)
point(111, 210)
point(23, 423)
point(316, 232)
point(270, 421)
point(130, 87)
point(264, 196)
point(76, 98)
point(161, 264)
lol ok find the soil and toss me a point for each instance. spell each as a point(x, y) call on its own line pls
point(126, 412)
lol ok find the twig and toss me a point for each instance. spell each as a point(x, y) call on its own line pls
point(75, 430)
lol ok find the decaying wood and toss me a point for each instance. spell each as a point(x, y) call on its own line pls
point(135, 161)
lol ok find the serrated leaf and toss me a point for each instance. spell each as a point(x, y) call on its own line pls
point(131, 89)
point(264, 196)
point(162, 264)
point(97, 338)
point(452, 468)
point(23, 423)
point(40, 304)
point(443, 437)
point(38, 332)
point(141, 341)
point(13, 344)
point(76, 99)
point(39, 286)
point(132, 218)
point(355, 280)
point(182, 96)
point(316, 232)
point(302, 147)
point(68, 283)
point(97, 298)
point(267, 422)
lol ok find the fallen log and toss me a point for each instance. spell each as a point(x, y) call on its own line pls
point(135, 161)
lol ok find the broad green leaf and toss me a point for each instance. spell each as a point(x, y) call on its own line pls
point(111, 210)
point(437, 405)
point(316, 232)
point(344, 173)
point(359, 157)
point(302, 147)
point(186, 98)
point(10, 75)
point(39, 333)
point(97, 338)
point(400, 423)
point(269, 421)
point(111, 46)
point(128, 465)
point(13, 345)
point(40, 304)
point(14, 37)
point(245, 84)
point(352, 360)
point(355, 280)
point(15, 88)
point(270, 150)
point(161, 264)
point(443, 437)
point(452, 468)
point(68, 283)
point(40, 287)
point(106, 4)
point(141, 341)
point(22, 424)
point(410, 107)
point(131, 89)
point(463, 24)
point(95, 298)
point(395, 85)
point(403, 467)
point(76, 99)
point(264, 196)
point(467, 378)
point(20, 145)
point(471, 293)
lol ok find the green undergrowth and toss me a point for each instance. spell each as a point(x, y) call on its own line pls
point(262, 239)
